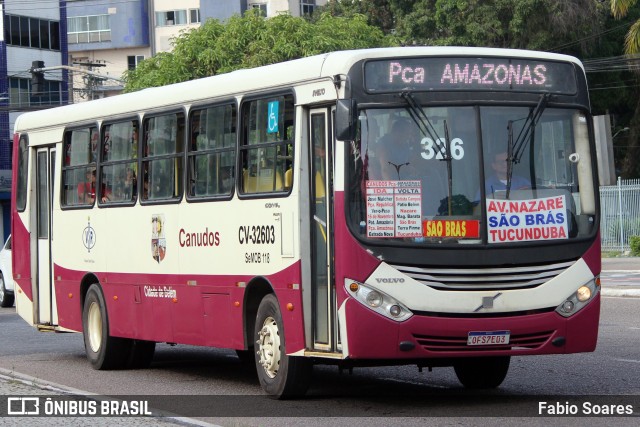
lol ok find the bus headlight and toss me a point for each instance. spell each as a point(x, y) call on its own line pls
point(378, 301)
point(580, 298)
point(583, 294)
point(374, 299)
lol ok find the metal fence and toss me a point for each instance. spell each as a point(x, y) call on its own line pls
point(620, 209)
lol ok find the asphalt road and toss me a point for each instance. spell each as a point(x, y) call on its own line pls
point(212, 386)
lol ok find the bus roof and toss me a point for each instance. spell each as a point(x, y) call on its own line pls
point(225, 86)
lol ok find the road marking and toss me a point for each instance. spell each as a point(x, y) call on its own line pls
point(396, 380)
point(626, 360)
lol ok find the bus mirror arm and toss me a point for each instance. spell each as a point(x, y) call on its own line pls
point(346, 119)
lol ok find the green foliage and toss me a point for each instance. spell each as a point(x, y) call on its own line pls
point(523, 24)
point(634, 242)
point(251, 41)
point(379, 13)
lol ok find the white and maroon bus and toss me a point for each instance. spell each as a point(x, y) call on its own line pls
point(426, 205)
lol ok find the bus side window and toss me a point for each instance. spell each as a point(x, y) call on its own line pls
point(162, 160)
point(119, 162)
point(78, 168)
point(212, 152)
point(268, 135)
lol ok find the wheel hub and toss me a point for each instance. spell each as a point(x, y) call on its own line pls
point(94, 325)
point(269, 347)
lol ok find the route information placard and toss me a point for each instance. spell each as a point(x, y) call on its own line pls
point(394, 209)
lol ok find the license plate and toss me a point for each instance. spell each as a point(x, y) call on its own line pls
point(488, 338)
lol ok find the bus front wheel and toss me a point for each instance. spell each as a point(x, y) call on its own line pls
point(103, 351)
point(482, 372)
point(281, 376)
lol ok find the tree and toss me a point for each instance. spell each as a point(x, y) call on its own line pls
point(630, 168)
point(379, 13)
point(251, 41)
point(522, 24)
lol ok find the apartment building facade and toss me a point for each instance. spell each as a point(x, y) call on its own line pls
point(85, 47)
point(29, 31)
point(109, 37)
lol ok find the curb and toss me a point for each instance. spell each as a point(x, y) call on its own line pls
point(620, 292)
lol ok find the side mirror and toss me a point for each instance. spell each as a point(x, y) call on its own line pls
point(346, 119)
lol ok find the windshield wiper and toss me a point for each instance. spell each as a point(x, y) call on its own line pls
point(426, 127)
point(422, 121)
point(526, 133)
point(516, 149)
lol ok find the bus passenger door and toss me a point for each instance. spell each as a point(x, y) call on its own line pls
point(321, 191)
point(45, 168)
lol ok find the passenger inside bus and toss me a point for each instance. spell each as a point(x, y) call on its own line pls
point(125, 186)
point(87, 190)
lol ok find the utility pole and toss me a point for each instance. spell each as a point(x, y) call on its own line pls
point(92, 78)
point(37, 78)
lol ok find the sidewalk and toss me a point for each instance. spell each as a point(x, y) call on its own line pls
point(621, 264)
point(620, 277)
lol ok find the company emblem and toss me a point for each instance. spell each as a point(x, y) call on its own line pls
point(158, 238)
point(487, 302)
point(389, 280)
point(89, 236)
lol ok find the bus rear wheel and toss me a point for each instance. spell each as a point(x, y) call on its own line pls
point(482, 372)
point(103, 351)
point(281, 376)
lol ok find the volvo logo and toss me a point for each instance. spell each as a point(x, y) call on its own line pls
point(89, 236)
point(487, 302)
point(390, 280)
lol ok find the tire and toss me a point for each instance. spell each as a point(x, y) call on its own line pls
point(482, 372)
point(281, 376)
point(141, 354)
point(103, 351)
point(6, 299)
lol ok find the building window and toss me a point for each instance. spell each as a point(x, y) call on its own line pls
point(307, 7)
point(32, 32)
point(262, 7)
point(171, 17)
point(89, 29)
point(194, 16)
point(133, 61)
point(20, 93)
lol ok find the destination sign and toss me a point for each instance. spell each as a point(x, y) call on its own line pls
point(490, 74)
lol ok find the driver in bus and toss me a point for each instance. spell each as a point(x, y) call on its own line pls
point(497, 181)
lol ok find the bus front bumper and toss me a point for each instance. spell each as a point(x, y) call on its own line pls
point(423, 336)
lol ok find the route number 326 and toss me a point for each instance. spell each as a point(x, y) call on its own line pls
point(431, 150)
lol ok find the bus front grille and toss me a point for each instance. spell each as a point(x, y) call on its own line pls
point(477, 279)
point(437, 344)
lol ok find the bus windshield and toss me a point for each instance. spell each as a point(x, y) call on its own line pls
point(471, 175)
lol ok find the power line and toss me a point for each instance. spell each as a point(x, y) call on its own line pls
point(593, 36)
point(613, 63)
